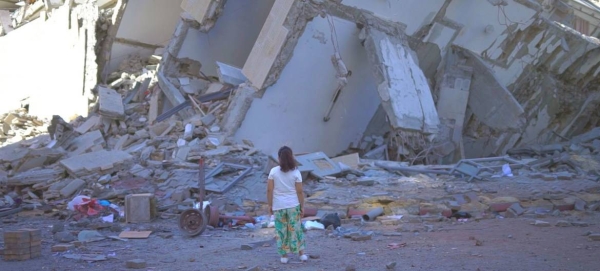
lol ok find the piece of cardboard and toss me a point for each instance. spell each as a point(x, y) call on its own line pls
point(135, 234)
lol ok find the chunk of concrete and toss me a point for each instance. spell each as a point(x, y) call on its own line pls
point(111, 103)
point(208, 120)
point(35, 176)
point(230, 75)
point(136, 264)
point(140, 171)
point(88, 124)
point(101, 162)
point(403, 88)
point(85, 143)
point(72, 187)
point(586, 137)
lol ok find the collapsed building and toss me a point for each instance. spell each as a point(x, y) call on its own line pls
point(388, 79)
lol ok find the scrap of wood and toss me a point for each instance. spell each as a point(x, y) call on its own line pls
point(135, 234)
point(195, 103)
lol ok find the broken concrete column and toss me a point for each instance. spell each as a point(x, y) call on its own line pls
point(205, 12)
point(403, 88)
point(238, 107)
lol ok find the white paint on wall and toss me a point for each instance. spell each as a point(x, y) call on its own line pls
point(291, 111)
point(231, 39)
point(413, 13)
point(440, 35)
point(50, 70)
point(150, 21)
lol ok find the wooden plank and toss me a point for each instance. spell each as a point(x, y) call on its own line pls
point(135, 234)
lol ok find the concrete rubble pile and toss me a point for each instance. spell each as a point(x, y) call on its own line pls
point(18, 125)
point(119, 149)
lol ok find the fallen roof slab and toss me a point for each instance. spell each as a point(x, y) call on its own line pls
point(403, 88)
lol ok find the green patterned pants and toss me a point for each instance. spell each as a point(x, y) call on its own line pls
point(288, 226)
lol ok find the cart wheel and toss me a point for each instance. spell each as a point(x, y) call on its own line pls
point(192, 222)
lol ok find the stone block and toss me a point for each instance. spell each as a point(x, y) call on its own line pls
point(136, 264)
point(140, 208)
point(72, 187)
point(516, 207)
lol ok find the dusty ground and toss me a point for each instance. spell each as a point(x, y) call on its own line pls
point(506, 244)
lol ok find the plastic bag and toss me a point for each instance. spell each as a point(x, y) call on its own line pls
point(313, 225)
point(506, 171)
point(77, 201)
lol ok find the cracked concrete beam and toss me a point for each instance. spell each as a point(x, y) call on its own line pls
point(240, 103)
point(403, 88)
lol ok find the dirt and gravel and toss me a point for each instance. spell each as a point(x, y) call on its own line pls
point(491, 244)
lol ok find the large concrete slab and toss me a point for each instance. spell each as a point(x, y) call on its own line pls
point(489, 100)
point(100, 162)
point(291, 111)
point(402, 86)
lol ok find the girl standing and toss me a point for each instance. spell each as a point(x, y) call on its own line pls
point(286, 200)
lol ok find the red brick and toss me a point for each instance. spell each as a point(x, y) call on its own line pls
point(447, 213)
point(565, 207)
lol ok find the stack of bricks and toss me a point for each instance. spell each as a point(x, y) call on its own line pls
point(23, 244)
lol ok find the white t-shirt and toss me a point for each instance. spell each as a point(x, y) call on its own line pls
point(284, 192)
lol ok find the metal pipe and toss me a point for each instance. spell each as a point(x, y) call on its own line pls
point(371, 215)
point(201, 182)
point(356, 212)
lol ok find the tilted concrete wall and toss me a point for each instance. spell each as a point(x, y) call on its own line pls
point(543, 67)
point(291, 111)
